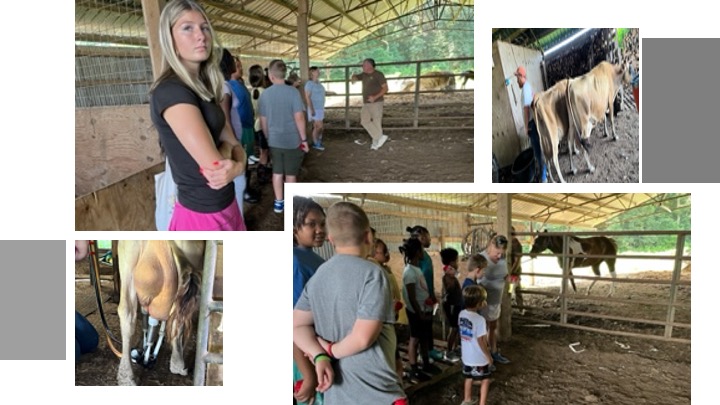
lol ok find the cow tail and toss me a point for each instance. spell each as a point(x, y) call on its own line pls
point(186, 300)
point(571, 116)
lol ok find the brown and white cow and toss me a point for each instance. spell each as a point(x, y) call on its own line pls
point(551, 118)
point(591, 96)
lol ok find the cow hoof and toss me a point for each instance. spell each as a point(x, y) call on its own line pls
point(573, 171)
point(591, 169)
point(179, 371)
point(125, 379)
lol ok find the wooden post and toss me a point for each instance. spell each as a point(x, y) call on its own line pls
point(504, 217)
point(564, 282)
point(670, 318)
point(151, 15)
point(347, 97)
point(302, 38)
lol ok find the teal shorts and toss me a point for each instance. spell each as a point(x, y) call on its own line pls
point(248, 141)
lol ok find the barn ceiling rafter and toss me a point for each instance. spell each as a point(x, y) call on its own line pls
point(584, 210)
point(537, 38)
point(269, 27)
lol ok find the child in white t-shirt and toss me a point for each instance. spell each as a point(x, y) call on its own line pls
point(474, 344)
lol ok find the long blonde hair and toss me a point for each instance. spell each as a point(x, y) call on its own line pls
point(209, 83)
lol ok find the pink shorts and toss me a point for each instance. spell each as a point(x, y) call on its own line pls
point(229, 219)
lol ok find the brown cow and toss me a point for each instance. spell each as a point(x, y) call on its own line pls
point(591, 95)
point(431, 81)
point(551, 118)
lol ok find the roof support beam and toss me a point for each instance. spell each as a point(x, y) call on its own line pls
point(504, 220)
point(151, 16)
point(302, 39)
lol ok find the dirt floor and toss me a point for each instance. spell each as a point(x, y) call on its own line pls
point(614, 161)
point(423, 155)
point(260, 216)
point(610, 370)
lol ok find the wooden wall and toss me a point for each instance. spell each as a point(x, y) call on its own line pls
point(123, 206)
point(112, 144)
point(507, 115)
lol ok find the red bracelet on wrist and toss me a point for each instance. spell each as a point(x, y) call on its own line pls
point(329, 350)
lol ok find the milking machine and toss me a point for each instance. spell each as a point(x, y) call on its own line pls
point(148, 356)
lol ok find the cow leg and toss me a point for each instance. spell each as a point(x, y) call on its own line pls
point(556, 163)
point(611, 267)
point(177, 362)
point(572, 280)
point(128, 252)
point(571, 144)
point(591, 168)
point(605, 125)
point(549, 172)
point(612, 123)
point(596, 271)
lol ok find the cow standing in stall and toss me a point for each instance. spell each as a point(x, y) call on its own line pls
point(164, 278)
point(551, 118)
point(591, 96)
point(586, 101)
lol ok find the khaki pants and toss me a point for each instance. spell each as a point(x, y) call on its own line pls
point(371, 119)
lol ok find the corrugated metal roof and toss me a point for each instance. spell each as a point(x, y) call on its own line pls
point(268, 27)
point(574, 209)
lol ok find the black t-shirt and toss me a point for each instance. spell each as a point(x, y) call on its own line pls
point(193, 191)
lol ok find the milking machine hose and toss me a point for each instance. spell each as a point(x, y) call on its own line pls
point(95, 270)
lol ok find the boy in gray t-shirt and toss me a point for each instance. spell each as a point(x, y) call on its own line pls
point(347, 304)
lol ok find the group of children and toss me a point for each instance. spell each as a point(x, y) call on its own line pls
point(346, 309)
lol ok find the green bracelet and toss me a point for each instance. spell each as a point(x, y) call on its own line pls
point(321, 356)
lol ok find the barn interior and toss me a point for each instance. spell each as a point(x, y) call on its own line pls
point(117, 56)
point(550, 55)
point(654, 285)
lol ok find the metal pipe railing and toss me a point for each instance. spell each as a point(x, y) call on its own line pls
point(207, 305)
point(416, 117)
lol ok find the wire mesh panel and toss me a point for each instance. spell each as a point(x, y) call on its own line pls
point(449, 218)
point(112, 61)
